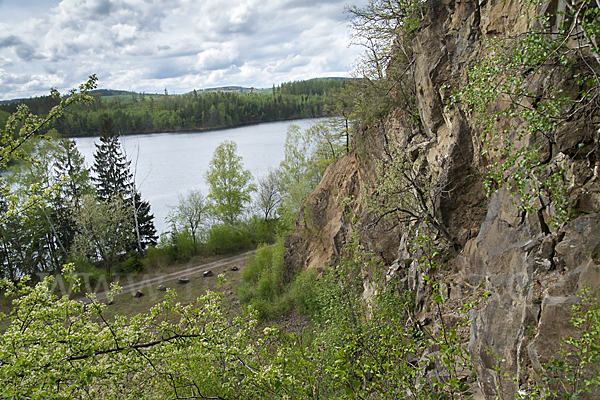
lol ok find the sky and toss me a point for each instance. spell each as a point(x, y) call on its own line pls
point(180, 45)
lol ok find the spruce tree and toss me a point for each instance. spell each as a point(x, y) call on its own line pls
point(144, 221)
point(69, 166)
point(114, 178)
point(111, 165)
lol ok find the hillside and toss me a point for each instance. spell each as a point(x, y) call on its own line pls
point(527, 249)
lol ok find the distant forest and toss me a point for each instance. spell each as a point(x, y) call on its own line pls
point(133, 113)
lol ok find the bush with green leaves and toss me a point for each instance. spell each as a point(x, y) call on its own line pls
point(54, 347)
point(227, 239)
point(304, 292)
point(523, 88)
point(265, 280)
point(132, 264)
point(576, 372)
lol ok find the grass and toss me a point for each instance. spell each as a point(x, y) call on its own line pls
point(125, 304)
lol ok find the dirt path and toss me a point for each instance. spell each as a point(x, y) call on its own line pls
point(132, 287)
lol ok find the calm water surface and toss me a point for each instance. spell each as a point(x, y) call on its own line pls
point(171, 164)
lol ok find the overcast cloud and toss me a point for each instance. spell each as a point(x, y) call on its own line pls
point(149, 45)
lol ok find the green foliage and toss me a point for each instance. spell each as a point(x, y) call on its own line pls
point(156, 258)
point(264, 281)
point(3, 118)
point(269, 194)
point(307, 155)
point(178, 245)
point(44, 185)
point(104, 229)
point(576, 371)
point(132, 263)
point(511, 92)
point(194, 111)
point(304, 292)
point(227, 239)
point(191, 215)
point(36, 230)
point(229, 184)
point(112, 169)
point(175, 247)
point(57, 348)
point(22, 125)
point(114, 178)
point(262, 231)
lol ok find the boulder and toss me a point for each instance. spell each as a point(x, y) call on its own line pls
point(183, 280)
point(207, 274)
point(138, 294)
point(161, 288)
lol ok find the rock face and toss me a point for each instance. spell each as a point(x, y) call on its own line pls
point(322, 229)
point(532, 270)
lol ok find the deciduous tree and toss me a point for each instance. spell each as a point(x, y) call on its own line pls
point(190, 213)
point(105, 228)
point(229, 183)
point(269, 194)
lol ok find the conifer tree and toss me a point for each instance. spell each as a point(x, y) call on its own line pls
point(114, 178)
point(69, 166)
point(111, 165)
point(144, 223)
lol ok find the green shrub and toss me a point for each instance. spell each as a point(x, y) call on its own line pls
point(167, 246)
point(264, 309)
point(155, 258)
point(185, 246)
point(269, 310)
point(267, 289)
point(304, 292)
point(257, 264)
point(246, 293)
point(131, 264)
point(226, 239)
point(176, 247)
point(264, 281)
point(262, 231)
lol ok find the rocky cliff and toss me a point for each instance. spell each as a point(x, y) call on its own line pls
point(531, 269)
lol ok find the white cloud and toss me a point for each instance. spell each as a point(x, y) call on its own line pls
point(147, 45)
point(5, 62)
point(219, 57)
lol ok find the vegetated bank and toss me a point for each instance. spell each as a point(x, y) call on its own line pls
point(134, 113)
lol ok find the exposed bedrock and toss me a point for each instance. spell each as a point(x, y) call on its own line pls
point(532, 269)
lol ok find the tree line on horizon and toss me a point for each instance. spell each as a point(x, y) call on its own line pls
point(197, 110)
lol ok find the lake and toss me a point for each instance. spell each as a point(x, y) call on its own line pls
point(171, 164)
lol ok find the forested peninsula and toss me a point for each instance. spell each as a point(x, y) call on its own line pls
point(135, 113)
